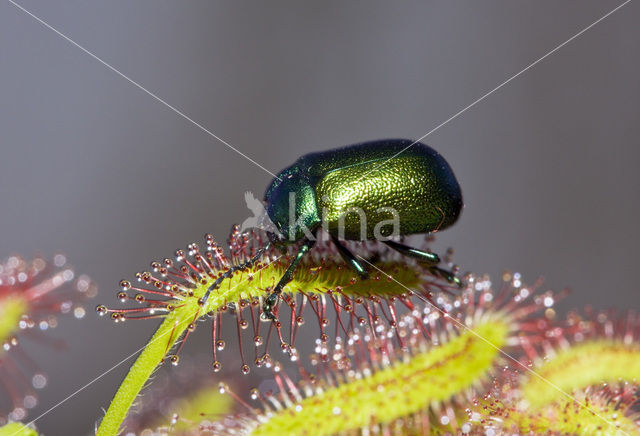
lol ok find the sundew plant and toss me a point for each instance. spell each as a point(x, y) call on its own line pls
point(332, 310)
point(404, 352)
point(34, 293)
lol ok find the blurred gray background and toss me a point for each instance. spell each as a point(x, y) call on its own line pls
point(95, 167)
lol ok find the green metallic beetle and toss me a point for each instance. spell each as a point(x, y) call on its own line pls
point(359, 192)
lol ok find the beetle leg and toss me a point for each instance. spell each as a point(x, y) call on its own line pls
point(228, 273)
point(272, 299)
point(424, 256)
point(447, 275)
point(350, 259)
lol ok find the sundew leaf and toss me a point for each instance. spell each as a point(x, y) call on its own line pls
point(377, 385)
point(582, 365)
point(586, 382)
point(34, 293)
point(174, 291)
point(17, 429)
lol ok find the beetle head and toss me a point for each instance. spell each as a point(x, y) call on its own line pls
point(291, 205)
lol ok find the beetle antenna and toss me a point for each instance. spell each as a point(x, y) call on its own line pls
point(228, 273)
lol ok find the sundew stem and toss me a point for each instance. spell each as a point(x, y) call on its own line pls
point(154, 352)
point(243, 286)
point(398, 390)
point(582, 365)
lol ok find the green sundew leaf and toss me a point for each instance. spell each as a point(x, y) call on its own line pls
point(582, 365)
point(17, 429)
point(398, 390)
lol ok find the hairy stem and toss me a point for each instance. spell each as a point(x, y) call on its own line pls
point(163, 340)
